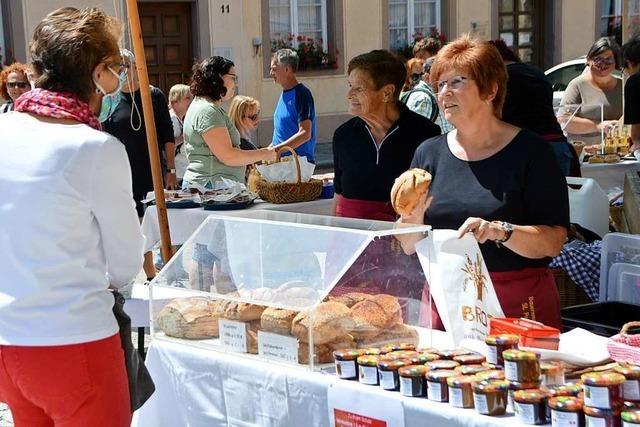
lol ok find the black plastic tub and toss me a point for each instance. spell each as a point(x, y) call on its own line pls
point(602, 318)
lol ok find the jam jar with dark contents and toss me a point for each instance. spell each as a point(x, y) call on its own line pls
point(413, 381)
point(437, 388)
point(346, 363)
point(490, 397)
point(521, 366)
point(496, 344)
point(368, 369)
point(388, 373)
point(566, 411)
point(631, 387)
point(595, 417)
point(603, 390)
point(530, 406)
point(461, 390)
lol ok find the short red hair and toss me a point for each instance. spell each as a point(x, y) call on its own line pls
point(16, 67)
point(481, 61)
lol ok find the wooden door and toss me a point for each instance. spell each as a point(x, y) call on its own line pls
point(166, 31)
point(520, 25)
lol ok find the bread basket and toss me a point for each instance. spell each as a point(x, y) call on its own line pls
point(288, 192)
point(625, 347)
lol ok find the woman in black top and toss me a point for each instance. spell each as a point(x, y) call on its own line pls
point(494, 180)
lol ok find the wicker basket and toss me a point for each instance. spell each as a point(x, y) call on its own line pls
point(570, 293)
point(625, 347)
point(287, 192)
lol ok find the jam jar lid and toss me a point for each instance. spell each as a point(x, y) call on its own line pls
point(490, 386)
point(534, 395)
point(602, 413)
point(631, 416)
point(629, 370)
point(565, 403)
point(460, 380)
point(347, 354)
point(515, 355)
point(373, 351)
point(392, 365)
point(602, 379)
point(492, 366)
point(562, 390)
point(413, 371)
point(491, 374)
point(469, 359)
point(422, 358)
point(470, 369)
point(442, 364)
point(551, 368)
point(450, 354)
point(427, 350)
point(400, 354)
point(368, 360)
point(502, 339)
point(515, 385)
point(402, 346)
point(440, 374)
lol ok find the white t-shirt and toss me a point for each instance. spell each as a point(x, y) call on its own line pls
point(181, 160)
point(68, 228)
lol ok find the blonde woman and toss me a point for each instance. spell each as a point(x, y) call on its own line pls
point(244, 113)
point(179, 100)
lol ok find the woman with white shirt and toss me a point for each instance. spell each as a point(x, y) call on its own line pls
point(179, 100)
point(68, 230)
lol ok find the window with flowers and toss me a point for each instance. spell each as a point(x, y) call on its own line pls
point(611, 18)
point(310, 28)
point(411, 20)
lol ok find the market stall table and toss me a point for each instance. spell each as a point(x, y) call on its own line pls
point(609, 175)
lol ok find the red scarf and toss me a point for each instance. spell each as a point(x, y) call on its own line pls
point(60, 105)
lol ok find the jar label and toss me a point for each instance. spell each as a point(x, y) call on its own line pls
point(368, 375)
point(455, 397)
point(511, 370)
point(346, 368)
point(596, 397)
point(627, 424)
point(564, 419)
point(480, 402)
point(632, 390)
point(434, 391)
point(525, 412)
point(492, 354)
point(594, 422)
point(386, 380)
point(510, 401)
point(406, 386)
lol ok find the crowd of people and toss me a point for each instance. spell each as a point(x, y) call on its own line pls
point(470, 112)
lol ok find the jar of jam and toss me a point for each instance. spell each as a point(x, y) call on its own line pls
point(490, 397)
point(388, 373)
point(491, 374)
point(630, 418)
point(530, 406)
point(469, 359)
point(461, 390)
point(470, 369)
point(412, 380)
point(603, 390)
point(399, 354)
point(631, 387)
point(551, 373)
point(492, 366)
point(521, 366)
point(442, 364)
point(437, 389)
point(566, 411)
point(516, 386)
point(368, 369)
point(346, 365)
point(595, 417)
point(496, 344)
point(450, 354)
point(570, 389)
point(423, 358)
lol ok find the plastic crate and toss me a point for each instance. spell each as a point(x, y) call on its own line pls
point(602, 318)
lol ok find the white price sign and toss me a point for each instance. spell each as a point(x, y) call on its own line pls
point(233, 335)
point(277, 347)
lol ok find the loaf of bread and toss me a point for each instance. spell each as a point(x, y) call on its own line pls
point(399, 333)
point(372, 315)
point(192, 318)
point(252, 336)
point(277, 320)
point(350, 298)
point(330, 321)
point(323, 353)
point(407, 190)
point(239, 311)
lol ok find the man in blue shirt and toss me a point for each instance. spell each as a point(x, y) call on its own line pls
point(294, 121)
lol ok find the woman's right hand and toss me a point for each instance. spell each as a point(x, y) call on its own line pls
point(269, 154)
point(605, 125)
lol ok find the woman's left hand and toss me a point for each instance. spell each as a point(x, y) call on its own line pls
point(482, 230)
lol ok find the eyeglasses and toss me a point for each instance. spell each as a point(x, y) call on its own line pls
point(118, 67)
point(19, 85)
point(454, 83)
point(604, 61)
point(253, 117)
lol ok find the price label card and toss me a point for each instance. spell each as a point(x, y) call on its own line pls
point(277, 347)
point(233, 335)
point(349, 406)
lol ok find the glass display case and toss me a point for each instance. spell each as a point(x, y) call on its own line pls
point(293, 288)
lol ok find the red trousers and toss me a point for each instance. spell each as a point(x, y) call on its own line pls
point(66, 385)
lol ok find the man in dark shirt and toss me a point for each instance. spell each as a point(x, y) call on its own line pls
point(631, 58)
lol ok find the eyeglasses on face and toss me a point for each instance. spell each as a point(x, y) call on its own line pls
point(604, 61)
point(253, 117)
point(454, 83)
point(19, 85)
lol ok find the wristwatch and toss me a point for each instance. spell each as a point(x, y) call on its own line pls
point(508, 231)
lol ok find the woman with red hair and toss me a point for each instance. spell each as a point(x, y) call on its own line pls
point(13, 83)
point(494, 180)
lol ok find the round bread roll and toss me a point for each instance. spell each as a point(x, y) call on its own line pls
point(407, 190)
point(193, 318)
point(277, 320)
point(239, 311)
point(374, 314)
point(330, 321)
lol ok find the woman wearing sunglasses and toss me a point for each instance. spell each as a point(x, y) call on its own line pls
point(494, 180)
point(595, 87)
point(245, 114)
point(13, 83)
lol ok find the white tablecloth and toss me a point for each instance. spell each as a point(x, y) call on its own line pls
point(196, 387)
point(183, 222)
point(609, 175)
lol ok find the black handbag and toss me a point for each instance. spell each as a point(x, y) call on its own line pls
point(141, 386)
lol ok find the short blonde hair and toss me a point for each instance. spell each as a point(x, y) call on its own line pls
point(240, 104)
point(178, 92)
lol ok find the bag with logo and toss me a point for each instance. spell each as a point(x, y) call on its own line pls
point(459, 284)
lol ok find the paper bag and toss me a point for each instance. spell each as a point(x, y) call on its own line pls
point(459, 283)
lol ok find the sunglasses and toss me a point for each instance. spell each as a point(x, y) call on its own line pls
point(253, 117)
point(20, 85)
point(454, 83)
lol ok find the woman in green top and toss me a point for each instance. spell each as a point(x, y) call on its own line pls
point(211, 141)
